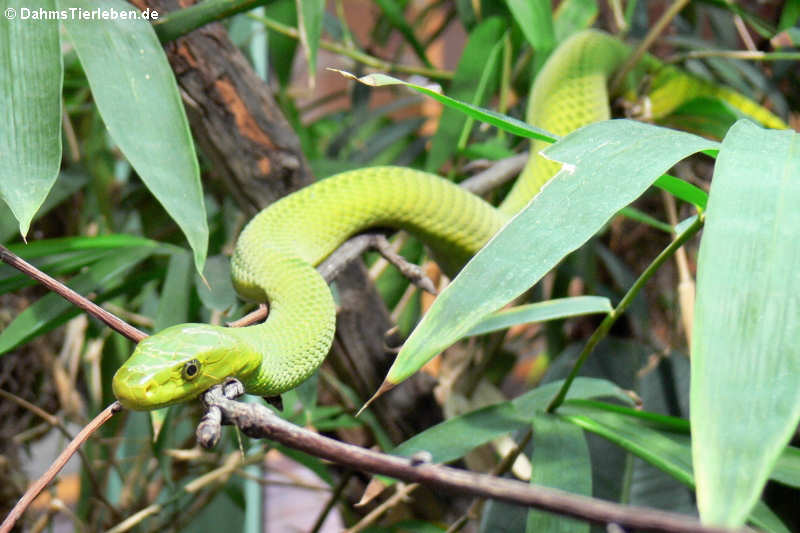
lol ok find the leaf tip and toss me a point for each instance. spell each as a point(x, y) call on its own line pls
point(385, 387)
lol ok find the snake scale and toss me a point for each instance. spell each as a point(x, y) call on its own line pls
point(276, 253)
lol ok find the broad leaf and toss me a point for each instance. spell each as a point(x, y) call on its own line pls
point(745, 386)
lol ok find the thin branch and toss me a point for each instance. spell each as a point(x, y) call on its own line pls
point(56, 422)
point(744, 34)
point(497, 174)
point(257, 421)
point(686, 286)
point(501, 468)
point(400, 496)
point(114, 322)
point(329, 505)
point(253, 317)
point(34, 490)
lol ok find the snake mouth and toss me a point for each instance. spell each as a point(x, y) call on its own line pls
point(139, 391)
point(132, 388)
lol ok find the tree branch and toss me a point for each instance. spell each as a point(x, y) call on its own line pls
point(258, 421)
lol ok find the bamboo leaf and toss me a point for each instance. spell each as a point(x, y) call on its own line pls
point(31, 73)
point(745, 398)
point(608, 165)
point(572, 16)
point(535, 19)
point(504, 122)
point(541, 312)
point(52, 310)
point(136, 94)
point(309, 19)
point(560, 459)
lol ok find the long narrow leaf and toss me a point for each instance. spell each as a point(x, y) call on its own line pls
point(309, 18)
point(504, 122)
point(49, 311)
point(31, 73)
point(670, 452)
point(541, 312)
point(535, 19)
point(745, 388)
point(608, 165)
point(137, 96)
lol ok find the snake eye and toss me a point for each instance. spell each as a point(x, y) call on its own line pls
point(191, 369)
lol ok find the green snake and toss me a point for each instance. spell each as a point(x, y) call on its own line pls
point(276, 254)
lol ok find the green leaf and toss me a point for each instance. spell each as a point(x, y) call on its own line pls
point(683, 189)
point(574, 15)
point(457, 436)
point(609, 164)
point(745, 354)
point(560, 459)
point(709, 117)
point(52, 310)
point(281, 48)
point(666, 450)
point(173, 306)
point(136, 94)
point(787, 468)
point(640, 216)
point(65, 186)
point(535, 19)
point(367, 417)
point(540, 312)
point(11, 279)
point(393, 12)
point(219, 294)
point(31, 73)
point(504, 122)
point(789, 15)
point(480, 54)
point(61, 245)
point(309, 21)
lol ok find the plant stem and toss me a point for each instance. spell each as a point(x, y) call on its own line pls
point(651, 36)
point(356, 55)
point(605, 326)
point(183, 21)
point(750, 55)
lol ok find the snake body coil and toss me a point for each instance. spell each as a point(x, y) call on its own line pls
point(276, 253)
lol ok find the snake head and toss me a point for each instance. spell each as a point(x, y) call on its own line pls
point(180, 362)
